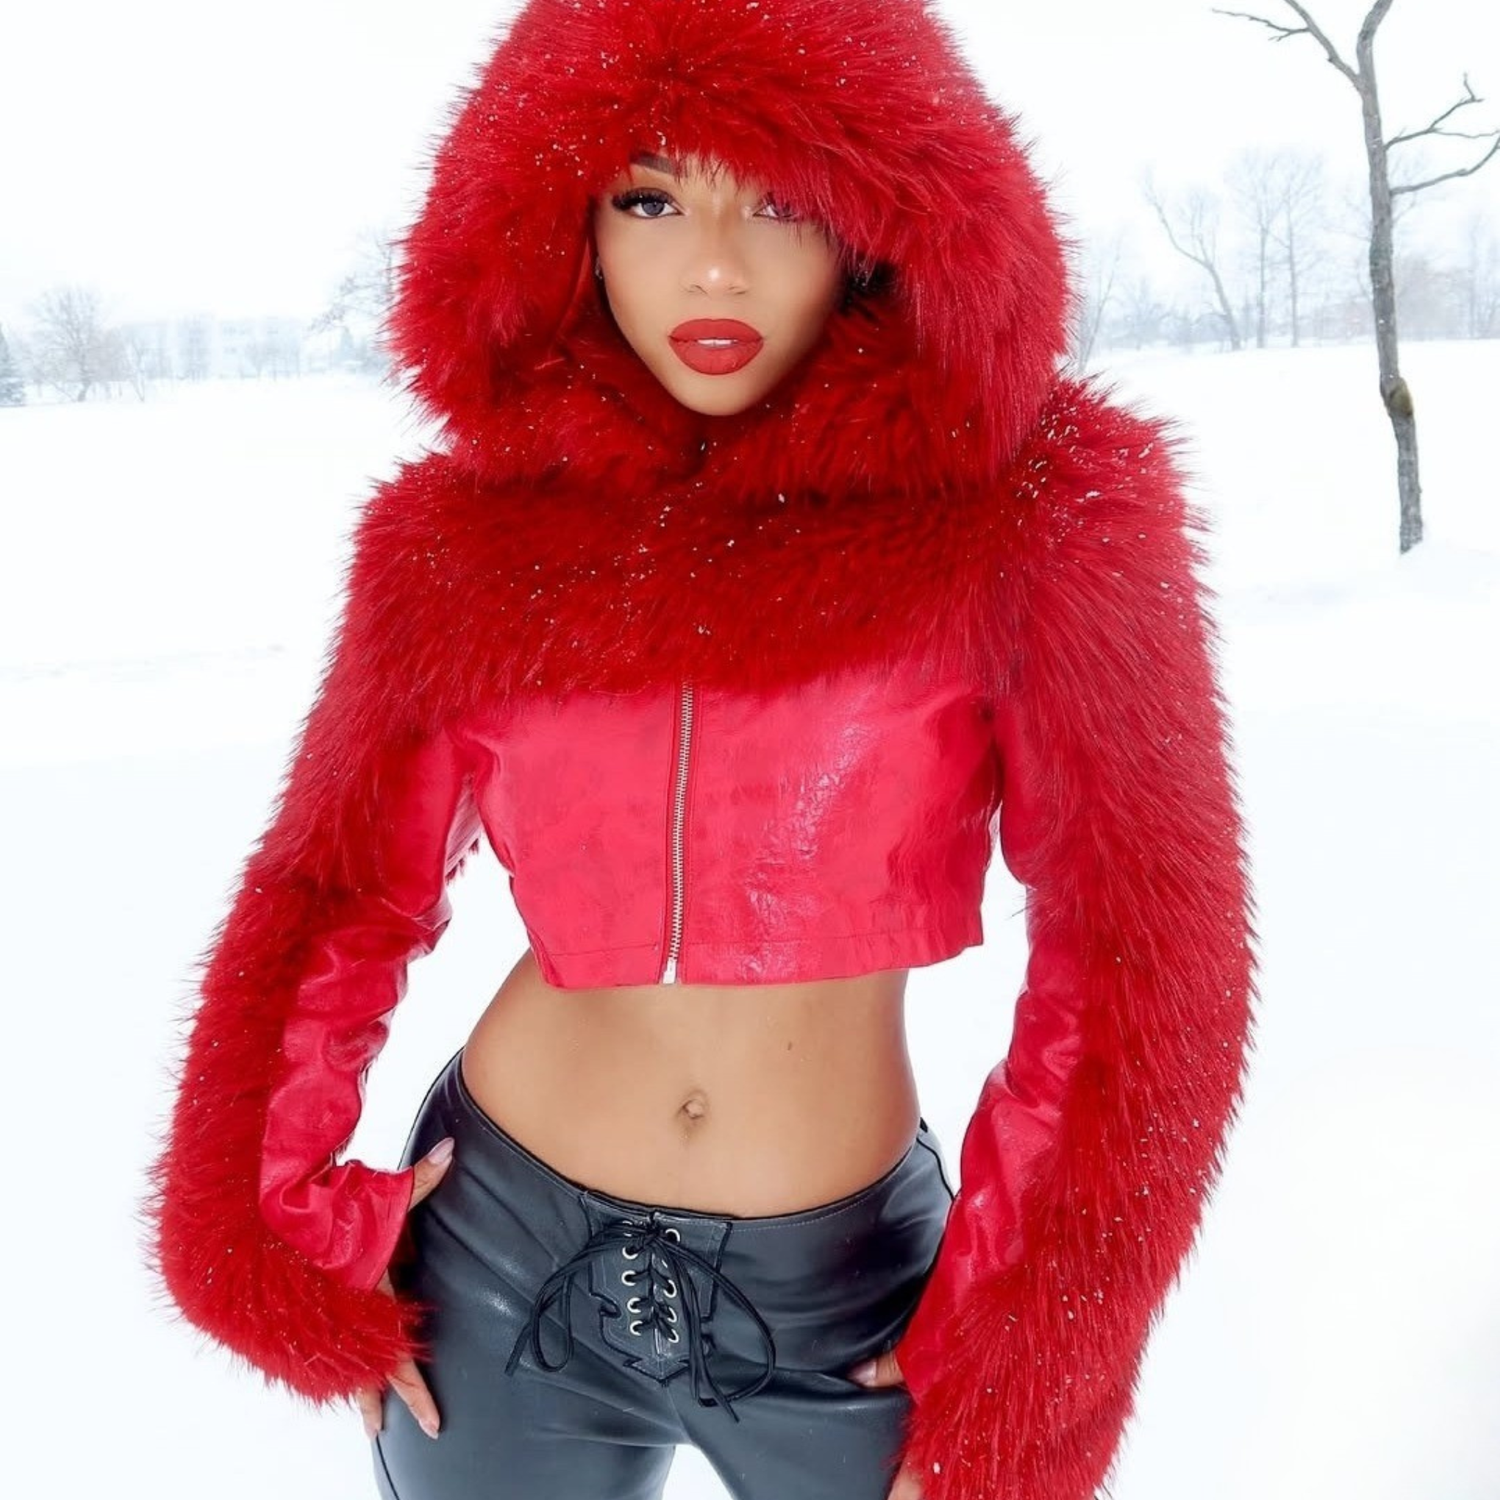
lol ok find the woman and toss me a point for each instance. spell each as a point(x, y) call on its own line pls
point(739, 641)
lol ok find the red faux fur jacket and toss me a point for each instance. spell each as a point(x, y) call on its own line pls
point(925, 480)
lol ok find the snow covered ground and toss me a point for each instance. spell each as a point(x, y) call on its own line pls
point(169, 573)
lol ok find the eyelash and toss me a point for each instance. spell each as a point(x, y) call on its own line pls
point(628, 200)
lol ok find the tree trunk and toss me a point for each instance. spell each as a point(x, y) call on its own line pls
point(1291, 259)
point(1226, 310)
point(1262, 291)
point(1394, 391)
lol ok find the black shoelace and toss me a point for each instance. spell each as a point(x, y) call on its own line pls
point(632, 1240)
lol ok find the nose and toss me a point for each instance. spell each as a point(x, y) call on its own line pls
point(715, 261)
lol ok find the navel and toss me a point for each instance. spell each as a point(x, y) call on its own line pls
point(694, 1107)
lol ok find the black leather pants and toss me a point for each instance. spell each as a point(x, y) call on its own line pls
point(577, 1338)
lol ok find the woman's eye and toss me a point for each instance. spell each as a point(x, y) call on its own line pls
point(625, 202)
point(784, 211)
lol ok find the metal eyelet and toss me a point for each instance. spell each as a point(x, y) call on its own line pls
point(629, 1278)
point(672, 1338)
point(635, 1326)
point(671, 1313)
point(630, 1252)
point(633, 1305)
point(671, 1287)
point(672, 1233)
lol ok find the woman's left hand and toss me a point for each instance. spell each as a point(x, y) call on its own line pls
point(883, 1370)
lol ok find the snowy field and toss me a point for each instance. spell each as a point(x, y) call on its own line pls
point(169, 574)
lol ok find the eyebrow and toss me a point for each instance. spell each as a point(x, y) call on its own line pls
point(656, 163)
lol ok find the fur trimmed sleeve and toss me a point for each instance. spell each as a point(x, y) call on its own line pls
point(259, 1239)
point(1085, 1168)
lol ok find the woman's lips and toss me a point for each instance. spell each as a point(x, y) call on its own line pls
point(730, 346)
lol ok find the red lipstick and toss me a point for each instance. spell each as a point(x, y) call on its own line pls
point(731, 344)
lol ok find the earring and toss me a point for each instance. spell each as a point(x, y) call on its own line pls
point(598, 269)
point(856, 284)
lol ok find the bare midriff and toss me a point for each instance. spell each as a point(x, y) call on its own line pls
point(735, 1099)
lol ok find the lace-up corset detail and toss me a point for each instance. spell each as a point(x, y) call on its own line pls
point(655, 1305)
point(658, 1285)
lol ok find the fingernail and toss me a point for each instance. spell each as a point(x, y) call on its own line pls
point(441, 1152)
point(429, 1428)
point(864, 1373)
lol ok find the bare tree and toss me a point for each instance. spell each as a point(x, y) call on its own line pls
point(1143, 316)
point(1192, 229)
point(1096, 272)
point(359, 305)
point(12, 387)
point(260, 355)
point(1254, 185)
point(1298, 222)
point(1481, 279)
point(71, 347)
point(136, 356)
point(1394, 391)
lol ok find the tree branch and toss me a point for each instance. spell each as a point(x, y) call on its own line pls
point(1154, 199)
point(1282, 32)
point(1333, 52)
point(1460, 135)
point(1436, 127)
point(1419, 187)
point(1309, 27)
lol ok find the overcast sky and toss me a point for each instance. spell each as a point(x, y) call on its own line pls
point(184, 156)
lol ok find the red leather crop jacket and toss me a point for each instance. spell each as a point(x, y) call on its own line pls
point(692, 834)
point(753, 699)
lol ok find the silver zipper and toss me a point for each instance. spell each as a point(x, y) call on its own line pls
point(679, 810)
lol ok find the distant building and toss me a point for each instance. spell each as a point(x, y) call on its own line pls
point(266, 346)
point(202, 346)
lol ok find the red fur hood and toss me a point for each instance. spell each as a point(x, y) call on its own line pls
point(863, 113)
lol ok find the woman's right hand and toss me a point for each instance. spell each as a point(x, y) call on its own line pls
point(407, 1380)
